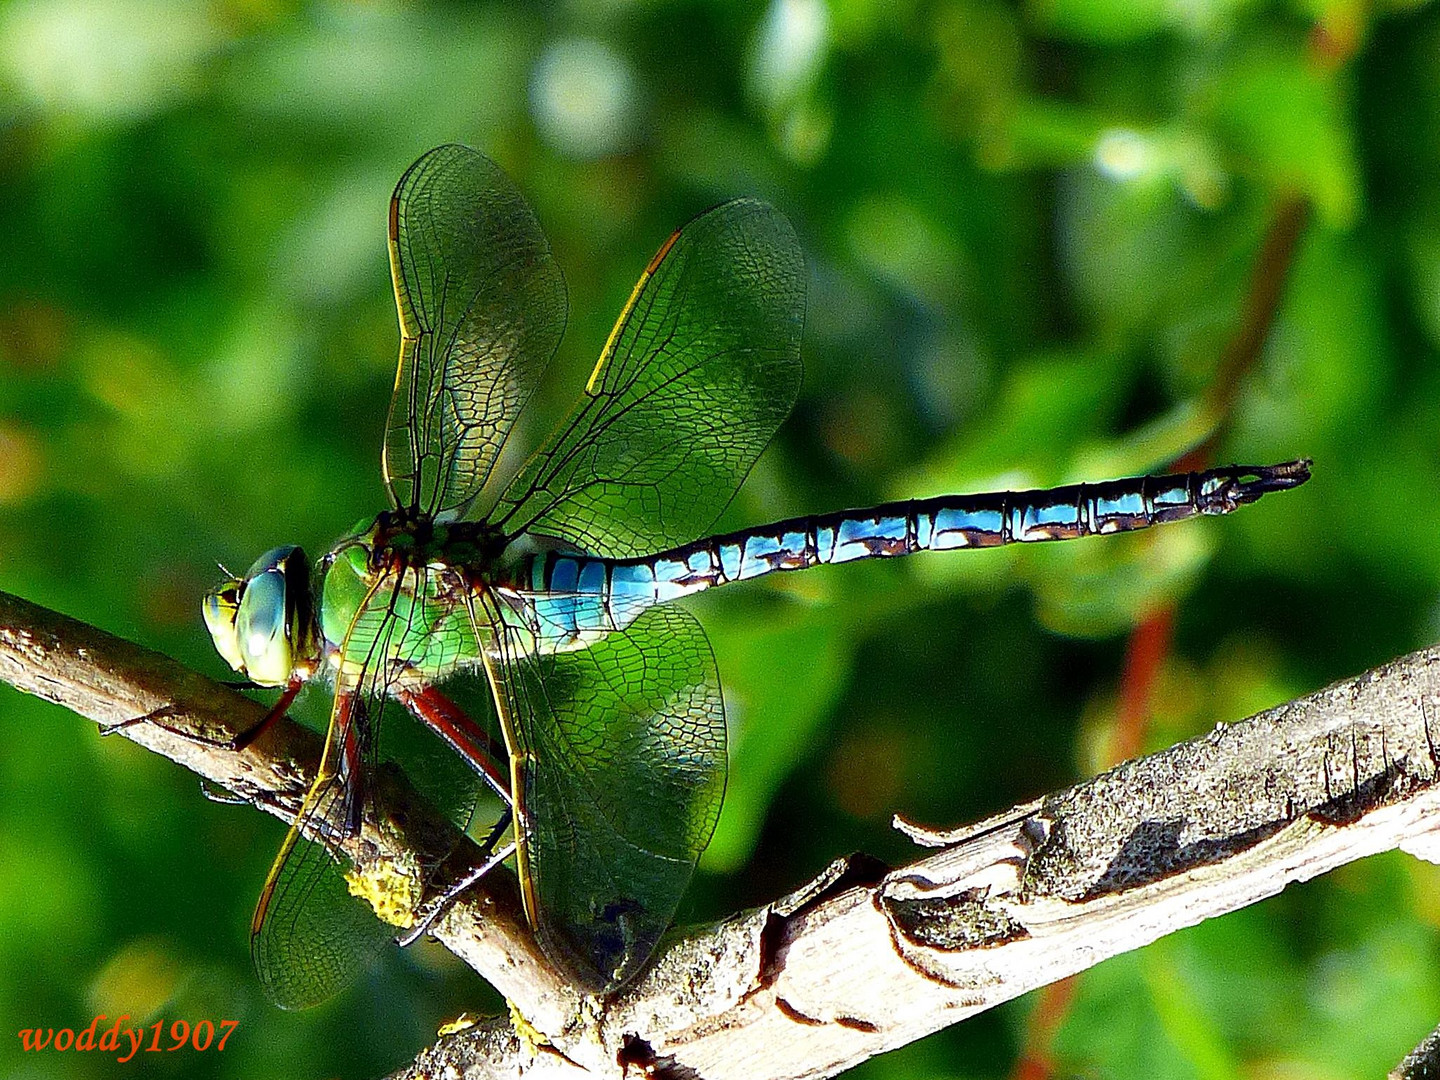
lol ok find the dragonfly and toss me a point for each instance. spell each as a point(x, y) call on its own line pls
point(555, 591)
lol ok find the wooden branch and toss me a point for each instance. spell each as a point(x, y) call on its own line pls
point(1422, 1063)
point(874, 960)
point(864, 960)
point(112, 681)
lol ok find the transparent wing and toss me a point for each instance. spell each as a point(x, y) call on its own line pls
point(699, 372)
point(619, 760)
point(310, 937)
point(482, 310)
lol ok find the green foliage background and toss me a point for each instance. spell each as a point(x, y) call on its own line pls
point(1030, 231)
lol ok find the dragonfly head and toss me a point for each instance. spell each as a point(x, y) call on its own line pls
point(264, 623)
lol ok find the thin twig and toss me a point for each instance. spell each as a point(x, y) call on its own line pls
point(1266, 289)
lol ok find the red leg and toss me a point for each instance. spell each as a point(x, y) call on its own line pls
point(481, 753)
point(349, 766)
point(461, 734)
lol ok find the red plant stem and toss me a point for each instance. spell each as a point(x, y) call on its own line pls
point(1150, 641)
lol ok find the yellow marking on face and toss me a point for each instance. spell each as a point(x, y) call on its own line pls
point(609, 348)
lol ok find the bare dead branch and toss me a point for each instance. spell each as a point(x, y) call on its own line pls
point(814, 986)
point(865, 960)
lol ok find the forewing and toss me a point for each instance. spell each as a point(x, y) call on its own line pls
point(482, 310)
point(620, 767)
point(699, 372)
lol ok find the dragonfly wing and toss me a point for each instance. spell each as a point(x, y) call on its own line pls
point(619, 764)
point(700, 370)
point(310, 937)
point(482, 309)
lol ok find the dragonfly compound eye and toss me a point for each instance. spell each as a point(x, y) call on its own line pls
point(272, 621)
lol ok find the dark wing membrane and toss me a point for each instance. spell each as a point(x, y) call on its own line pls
point(700, 370)
point(620, 770)
point(482, 310)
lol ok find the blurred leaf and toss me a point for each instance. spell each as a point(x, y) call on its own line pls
point(1285, 120)
point(775, 711)
point(412, 76)
point(1045, 405)
point(1195, 1034)
point(105, 59)
point(1118, 21)
point(1099, 590)
point(140, 979)
point(1114, 1029)
point(980, 54)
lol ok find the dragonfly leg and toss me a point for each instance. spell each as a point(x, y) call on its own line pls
point(224, 796)
point(449, 896)
point(236, 743)
point(339, 766)
point(347, 720)
point(461, 734)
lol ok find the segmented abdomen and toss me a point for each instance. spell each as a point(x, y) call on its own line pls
point(589, 595)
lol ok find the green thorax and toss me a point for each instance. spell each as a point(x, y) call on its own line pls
point(398, 597)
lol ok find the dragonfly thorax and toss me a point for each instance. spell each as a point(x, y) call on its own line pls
point(408, 538)
point(263, 624)
point(400, 597)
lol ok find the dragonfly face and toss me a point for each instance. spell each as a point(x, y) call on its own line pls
point(558, 601)
point(263, 624)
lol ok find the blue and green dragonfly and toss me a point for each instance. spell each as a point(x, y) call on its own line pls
point(558, 594)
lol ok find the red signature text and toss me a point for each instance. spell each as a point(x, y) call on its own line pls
point(126, 1042)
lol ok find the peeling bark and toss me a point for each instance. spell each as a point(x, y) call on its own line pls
point(1024, 899)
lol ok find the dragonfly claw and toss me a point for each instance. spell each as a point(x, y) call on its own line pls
point(452, 894)
point(224, 796)
point(154, 716)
